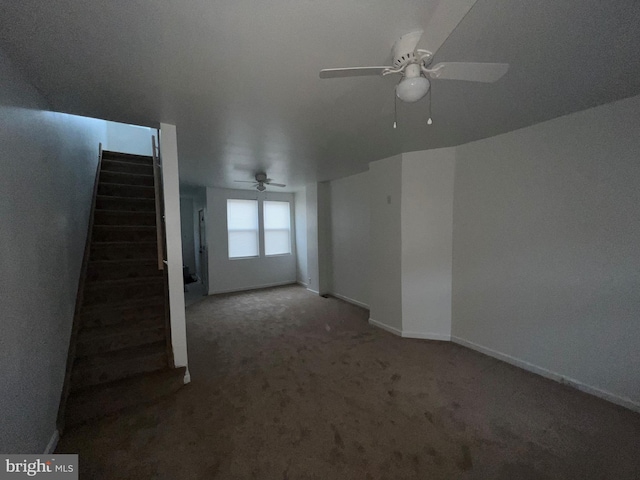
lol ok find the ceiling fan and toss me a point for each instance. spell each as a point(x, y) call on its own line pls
point(260, 182)
point(414, 52)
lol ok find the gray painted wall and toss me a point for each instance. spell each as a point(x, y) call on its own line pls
point(300, 210)
point(47, 165)
point(385, 301)
point(427, 229)
point(188, 233)
point(313, 267)
point(546, 246)
point(350, 238)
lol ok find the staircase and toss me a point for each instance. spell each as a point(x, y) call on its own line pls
point(120, 353)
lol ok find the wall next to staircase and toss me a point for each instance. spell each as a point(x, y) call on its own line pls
point(47, 168)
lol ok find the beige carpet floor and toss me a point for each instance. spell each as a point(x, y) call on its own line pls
point(289, 385)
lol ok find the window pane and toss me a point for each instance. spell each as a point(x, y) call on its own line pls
point(277, 228)
point(242, 227)
point(277, 242)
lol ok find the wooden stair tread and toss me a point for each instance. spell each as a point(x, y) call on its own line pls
point(127, 185)
point(123, 212)
point(110, 154)
point(92, 333)
point(132, 303)
point(125, 243)
point(118, 395)
point(117, 161)
point(117, 282)
point(148, 175)
point(126, 261)
point(123, 355)
point(106, 226)
point(113, 338)
point(125, 199)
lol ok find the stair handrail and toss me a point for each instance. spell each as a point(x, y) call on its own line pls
point(157, 183)
point(161, 238)
point(75, 328)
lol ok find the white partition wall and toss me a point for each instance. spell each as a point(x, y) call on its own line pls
point(169, 149)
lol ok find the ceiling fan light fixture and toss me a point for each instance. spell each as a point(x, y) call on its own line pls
point(412, 89)
point(261, 188)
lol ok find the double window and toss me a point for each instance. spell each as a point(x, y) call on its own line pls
point(245, 225)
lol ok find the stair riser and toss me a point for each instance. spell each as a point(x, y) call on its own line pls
point(125, 204)
point(126, 179)
point(111, 294)
point(108, 166)
point(107, 318)
point(124, 252)
point(105, 234)
point(100, 272)
point(87, 376)
point(118, 218)
point(116, 342)
point(134, 191)
point(129, 158)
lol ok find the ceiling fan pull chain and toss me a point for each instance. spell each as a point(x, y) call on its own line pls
point(429, 121)
point(395, 110)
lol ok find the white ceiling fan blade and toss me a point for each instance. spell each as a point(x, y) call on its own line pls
point(271, 184)
point(444, 20)
point(351, 72)
point(469, 71)
point(245, 181)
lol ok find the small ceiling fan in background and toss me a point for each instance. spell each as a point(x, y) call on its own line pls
point(260, 182)
point(414, 52)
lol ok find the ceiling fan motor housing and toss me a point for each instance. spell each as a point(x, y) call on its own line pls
point(404, 49)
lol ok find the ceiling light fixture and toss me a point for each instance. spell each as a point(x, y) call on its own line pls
point(413, 86)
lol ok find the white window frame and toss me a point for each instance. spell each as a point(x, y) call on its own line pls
point(264, 229)
point(261, 229)
point(258, 234)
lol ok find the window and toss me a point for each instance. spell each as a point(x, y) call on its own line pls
point(242, 227)
point(251, 235)
point(277, 228)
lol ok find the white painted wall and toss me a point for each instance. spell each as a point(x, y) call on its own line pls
point(385, 298)
point(324, 239)
point(350, 238)
point(48, 164)
point(427, 231)
point(188, 233)
point(228, 275)
point(128, 138)
point(300, 209)
point(199, 198)
point(546, 248)
point(313, 266)
point(171, 191)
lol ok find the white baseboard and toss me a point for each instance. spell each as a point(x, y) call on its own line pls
point(300, 282)
point(388, 328)
point(252, 287)
point(404, 334)
point(350, 300)
point(313, 291)
point(53, 442)
point(605, 395)
point(426, 336)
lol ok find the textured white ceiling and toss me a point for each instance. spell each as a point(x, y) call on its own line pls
point(240, 78)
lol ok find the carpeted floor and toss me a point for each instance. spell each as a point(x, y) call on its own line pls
point(289, 385)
